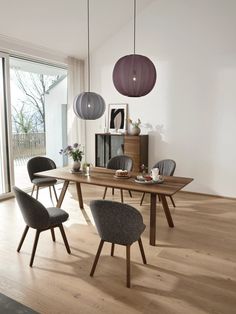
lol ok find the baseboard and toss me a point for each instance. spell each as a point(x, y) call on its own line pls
point(206, 194)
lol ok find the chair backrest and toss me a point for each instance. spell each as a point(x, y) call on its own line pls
point(37, 164)
point(34, 213)
point(120, 162)
point(117, 222)
point(166, 167)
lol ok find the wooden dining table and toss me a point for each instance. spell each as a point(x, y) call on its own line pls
point(105, 177)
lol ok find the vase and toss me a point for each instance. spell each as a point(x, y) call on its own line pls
point(134, 130)
point(76, 166)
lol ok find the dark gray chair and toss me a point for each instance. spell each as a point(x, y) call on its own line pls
point(166, 168)
point(119, 162)
point(117, 223)
point(40, 218)
point(37, 164)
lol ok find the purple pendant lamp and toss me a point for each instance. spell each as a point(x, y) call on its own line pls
point(89, 105)
point(134, 75)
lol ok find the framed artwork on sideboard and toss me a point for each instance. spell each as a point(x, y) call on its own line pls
point(117, 118)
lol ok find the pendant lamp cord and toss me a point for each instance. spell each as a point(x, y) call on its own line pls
point(88, 47)
point(134, 25)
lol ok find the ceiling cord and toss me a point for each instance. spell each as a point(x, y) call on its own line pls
point(134, 26)
point(88, 47)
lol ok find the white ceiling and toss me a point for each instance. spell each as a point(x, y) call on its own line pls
point(61, 25)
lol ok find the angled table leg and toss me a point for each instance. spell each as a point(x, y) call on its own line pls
point(63, 192)
point(167, 210)
point(80, 197)
point(152, 237)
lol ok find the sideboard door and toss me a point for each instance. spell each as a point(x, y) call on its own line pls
point(106, 147)
point(137, 148)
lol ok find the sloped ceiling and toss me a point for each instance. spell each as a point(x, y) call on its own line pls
point(61, 25)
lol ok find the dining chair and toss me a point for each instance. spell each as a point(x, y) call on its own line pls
point(38, 217)
point(119, 162)
point(117, 223)
point(37, 164)
point(166, 168)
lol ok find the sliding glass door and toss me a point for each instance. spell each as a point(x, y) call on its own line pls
point(34, 121)
point(4, 123)
point(38, 114)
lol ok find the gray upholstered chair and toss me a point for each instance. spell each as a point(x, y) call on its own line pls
point(117, 223)
point(166, 168)
point(40, 218)
point(37, 164)
point(119, 162)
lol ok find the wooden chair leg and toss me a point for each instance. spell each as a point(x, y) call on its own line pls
point(128, 266)
point(112, 249)
point(141, 202)
point(34, 247)
point(37, 192)
point(64, 238)
point(113, 191)
point(105, 192)
point(121, 196)
point(142, 251)
point(55, 193)
point(53, 235)
point(23, 238)
point(32, 190)
point(172, 201)
point(96, 257)
point(130, 194)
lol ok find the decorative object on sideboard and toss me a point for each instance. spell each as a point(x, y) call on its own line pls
point(134, 128)
point(134, 75)
point(89, 105)
point(75, 152)
point(117, 118)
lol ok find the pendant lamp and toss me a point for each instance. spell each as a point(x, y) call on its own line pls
point(89, 105)
point(134, 75)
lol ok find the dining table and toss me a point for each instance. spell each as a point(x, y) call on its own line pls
point(106, 177)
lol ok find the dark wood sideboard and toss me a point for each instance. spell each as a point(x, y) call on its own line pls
point(109, 145)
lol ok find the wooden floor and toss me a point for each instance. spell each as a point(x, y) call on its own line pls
point(191, 270)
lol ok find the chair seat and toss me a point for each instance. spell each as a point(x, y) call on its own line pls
point(44, 181)
point(56, 215)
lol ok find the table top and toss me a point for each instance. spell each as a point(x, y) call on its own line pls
point(105, 177)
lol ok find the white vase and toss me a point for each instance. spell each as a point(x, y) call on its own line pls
point(76, 166)
point(134, 130)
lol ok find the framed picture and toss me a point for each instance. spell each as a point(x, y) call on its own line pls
point(117, 118)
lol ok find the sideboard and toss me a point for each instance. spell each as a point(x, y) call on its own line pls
point(109, 145)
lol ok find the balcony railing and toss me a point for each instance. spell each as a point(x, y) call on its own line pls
point(28, 145)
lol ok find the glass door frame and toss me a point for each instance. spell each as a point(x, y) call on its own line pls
point(6, 131)
point(6, 127)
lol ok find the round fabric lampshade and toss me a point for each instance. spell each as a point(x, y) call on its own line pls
point(134, 75)
point(89, 106)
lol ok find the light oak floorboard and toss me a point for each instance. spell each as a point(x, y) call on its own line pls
point(191, 270)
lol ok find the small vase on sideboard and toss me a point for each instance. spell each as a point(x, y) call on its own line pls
point(134, 130)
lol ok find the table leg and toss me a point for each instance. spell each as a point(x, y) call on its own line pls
point(152, 237)
point(167, 210)
point(80, 197)
point(63, 192)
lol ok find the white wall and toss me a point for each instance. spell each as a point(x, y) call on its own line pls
point(190, 114)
